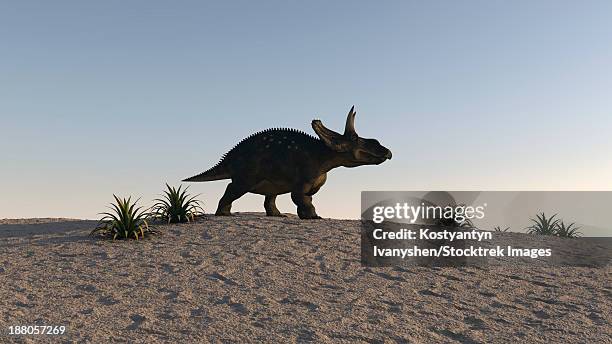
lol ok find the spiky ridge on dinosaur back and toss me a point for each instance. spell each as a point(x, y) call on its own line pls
point(287, 136)
point(277, 140)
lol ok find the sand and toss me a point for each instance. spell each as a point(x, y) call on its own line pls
point(251, 278)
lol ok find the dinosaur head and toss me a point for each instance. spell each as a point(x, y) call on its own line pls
point(352, 150)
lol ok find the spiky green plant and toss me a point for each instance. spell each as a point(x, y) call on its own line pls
point(177, 206)
point(124, 221)
point(465, 224)
point(453, 222)
point(543, 225)
point(569, 231)
point(499, 229)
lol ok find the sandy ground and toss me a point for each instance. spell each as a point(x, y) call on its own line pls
point(249, 278)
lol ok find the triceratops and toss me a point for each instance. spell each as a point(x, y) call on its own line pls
point(278, 161)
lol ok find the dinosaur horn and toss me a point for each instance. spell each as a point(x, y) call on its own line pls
point(331, 138)
point(349, 129)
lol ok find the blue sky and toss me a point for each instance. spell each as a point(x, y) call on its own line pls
point(119, 97)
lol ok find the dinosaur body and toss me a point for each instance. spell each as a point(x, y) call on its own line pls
point(278, 161)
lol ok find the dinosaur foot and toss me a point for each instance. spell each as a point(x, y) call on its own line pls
point(277, 215)
point(310, 217)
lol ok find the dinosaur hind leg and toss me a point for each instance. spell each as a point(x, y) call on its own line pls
point(270, 206)
point(232, 193)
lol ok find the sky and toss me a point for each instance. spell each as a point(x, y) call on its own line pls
point(119, 97)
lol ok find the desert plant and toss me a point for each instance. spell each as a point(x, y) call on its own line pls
point(569, 231)
point(543, 225)
point(177, 206)
point(453, 222)
point(466, 224)
point(124, 221)
point(499, 229)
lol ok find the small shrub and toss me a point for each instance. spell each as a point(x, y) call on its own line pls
point(465, 224)
point(569, 231)
point(177, 206)
point(125, 220)
point(499, 229)
point(453, 222)
point(543, 225)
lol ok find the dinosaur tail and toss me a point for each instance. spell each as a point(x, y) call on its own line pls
point(216, 173)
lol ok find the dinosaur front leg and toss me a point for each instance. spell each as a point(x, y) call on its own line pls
point(232, 193)
point(305, 209)
point(270, 206)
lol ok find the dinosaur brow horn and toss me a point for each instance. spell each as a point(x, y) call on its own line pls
point(349, 129)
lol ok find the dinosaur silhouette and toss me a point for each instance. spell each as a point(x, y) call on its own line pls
point(278, 161)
